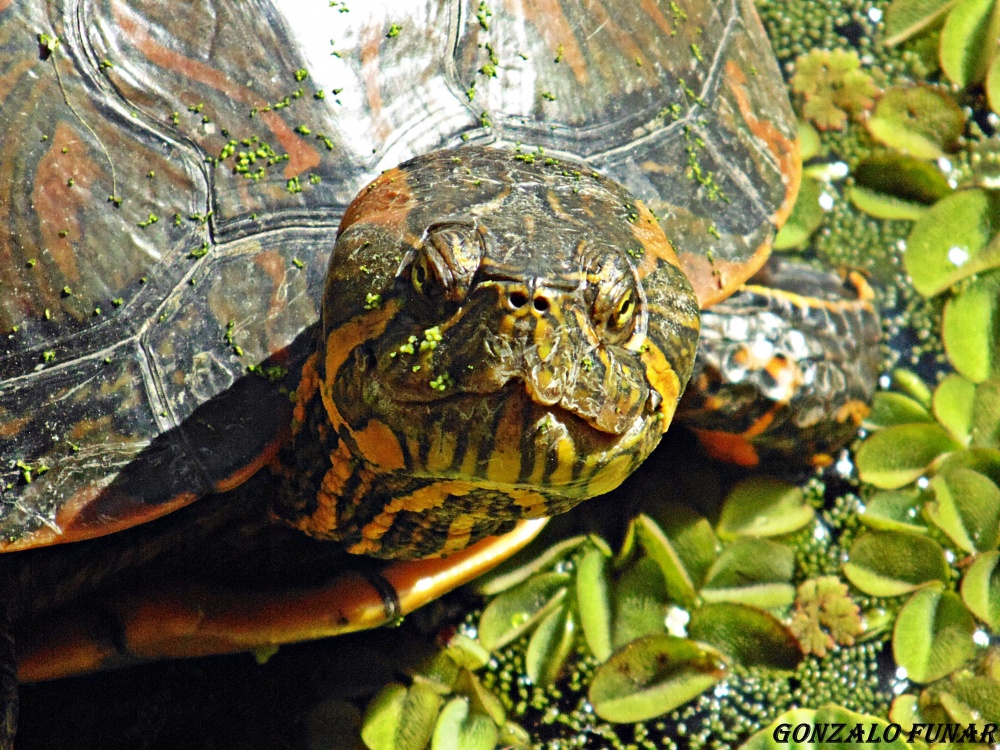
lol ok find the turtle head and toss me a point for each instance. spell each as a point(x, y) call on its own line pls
point(503, 336)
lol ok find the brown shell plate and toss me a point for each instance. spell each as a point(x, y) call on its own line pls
point(172, 183)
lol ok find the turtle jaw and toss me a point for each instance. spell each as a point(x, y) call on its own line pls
point(446, 473)
point(504, 437)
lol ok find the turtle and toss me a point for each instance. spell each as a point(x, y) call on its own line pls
point(525, 207)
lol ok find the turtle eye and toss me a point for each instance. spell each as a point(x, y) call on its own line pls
point(443, 266)
point(624, 311)
point(616, 310)
point(420, 273)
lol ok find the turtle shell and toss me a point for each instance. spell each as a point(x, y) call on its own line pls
point(173, 181)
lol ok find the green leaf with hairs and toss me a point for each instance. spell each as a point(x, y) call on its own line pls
point(917, 120)
point(968, 41)
point(653, 675)
point(891, 563)
point(906, 18)
point(981, 588)
point(953, 240)
point(933, 634)
point(895, 456)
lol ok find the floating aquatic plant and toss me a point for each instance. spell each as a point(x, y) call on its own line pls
point(919, 120)
point(833, 86)
point(825, 615)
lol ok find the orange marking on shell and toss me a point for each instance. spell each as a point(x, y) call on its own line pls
point(369, 54)
point(622, 40)
point(98, 510)
point(661, 376)
point(10, 429)
point(58, 207)
point(74, 523)
point(714, 281)
point(276, 268)
point(13, 74)
point(650, 8)
point(302, 156)
point(655, 243)
point(386, 201)
point(785, 150)
point(379, 446)
point(725, 446)
point(341, 342)
point(549, 19)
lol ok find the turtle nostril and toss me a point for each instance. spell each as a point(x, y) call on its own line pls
point(541, 304)
point(518, 299)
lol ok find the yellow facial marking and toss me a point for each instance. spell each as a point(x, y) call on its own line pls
point(535, 504)
point(379, 446)
point(505, 460)
point(506, 326)
point(343, 340)
point(544, 339)
point(661, 376)
point(610, 475)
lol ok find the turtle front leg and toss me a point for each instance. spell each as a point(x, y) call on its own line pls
point(180, 617)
